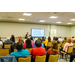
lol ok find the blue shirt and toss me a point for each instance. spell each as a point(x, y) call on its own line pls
point(20, 53)
point(41, 45)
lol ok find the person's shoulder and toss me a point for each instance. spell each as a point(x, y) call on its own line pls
point(13, 53)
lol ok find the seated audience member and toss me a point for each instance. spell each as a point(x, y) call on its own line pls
point(20, 39)
point(53, 49)
point(8, 41)
point(32, 41)
point(67, 44)
point(13, 46)
point(20, 52)
point(56, 39)
point(60, 39)
point(28, 44)
point(12, 38)
point(72, 56)
point(46, 42)
point(38, 50)
point(1, 42)
point(43, 39)
point(25, 39)
point(64, 39)
point(42, 45)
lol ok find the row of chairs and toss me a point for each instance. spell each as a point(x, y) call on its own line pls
point(38, 58)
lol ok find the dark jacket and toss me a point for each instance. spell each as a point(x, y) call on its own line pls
point(13, 46)
point(8, 42)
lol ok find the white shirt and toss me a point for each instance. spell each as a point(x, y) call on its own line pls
point(60, 40)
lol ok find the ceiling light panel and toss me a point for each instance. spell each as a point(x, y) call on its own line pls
point(27, 14)
point(54, 17)
point(21, 19)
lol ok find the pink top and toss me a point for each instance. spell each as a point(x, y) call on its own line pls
point(24, 45)
point(66, 46)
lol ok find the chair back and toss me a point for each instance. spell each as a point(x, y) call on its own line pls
point(53, 58)
point(29, 49)
point(7, 46)
point(15, 50)
point(49, 44)
point(0, 46)
point(74, 44)
point(40, 58)
point(70, 49)
point(24, 59)
point(58, 46)
point(4, 52)
point(63, 44)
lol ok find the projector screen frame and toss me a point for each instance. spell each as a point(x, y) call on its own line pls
point(37, 28)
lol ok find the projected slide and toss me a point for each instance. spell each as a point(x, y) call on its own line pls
point(37, 32)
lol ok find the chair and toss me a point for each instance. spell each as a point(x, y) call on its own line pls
point(53, 58)
point(24, 59)
point(40, 58)
point(60, 43)
point(29, 49)
point(69, 51)
point(0, 46)
point(74, 44)
point(4, 52)
point(43, 42)
point(7, 46)
point(58, 46)
point(15, 50)
point(48, 45)
point(63, 44)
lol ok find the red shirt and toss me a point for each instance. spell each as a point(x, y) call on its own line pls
point(50, 51)
point(38, 51)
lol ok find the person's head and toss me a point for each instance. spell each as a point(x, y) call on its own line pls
point(27, 32)
point(25, 37)
point(49, 39)
point(56, 38)
point(39, 39)
point(54, 46)
point(38, 43)
point(12, 36)
point(72, 36)
point(20, 38)
point(65, 38)
point(60, 36)
point(19, 46)
point(28, 43)
point(31, 38)
point(69, 40)
point(16, 39)
point(8, 38)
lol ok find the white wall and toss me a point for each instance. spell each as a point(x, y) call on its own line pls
point(20, 29)
point(72, 31)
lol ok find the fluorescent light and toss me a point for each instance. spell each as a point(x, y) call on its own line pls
point(72, 19)
point(21, 19)
point(58, 22)
point(69, 23)
point(27, 14)
point(53, 17)
point(41, 20)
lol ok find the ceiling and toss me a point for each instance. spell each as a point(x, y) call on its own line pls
point(64, 17)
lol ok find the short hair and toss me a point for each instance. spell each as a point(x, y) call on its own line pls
point(69, 40)
point(25, 37)
point(65, 38)
point(17, 38)
point(8, 37)
point(72, 36)
point(56, 38)
point(19, 46)
point(31, 38)
point(38, 43)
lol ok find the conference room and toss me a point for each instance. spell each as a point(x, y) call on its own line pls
point(37, 37)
